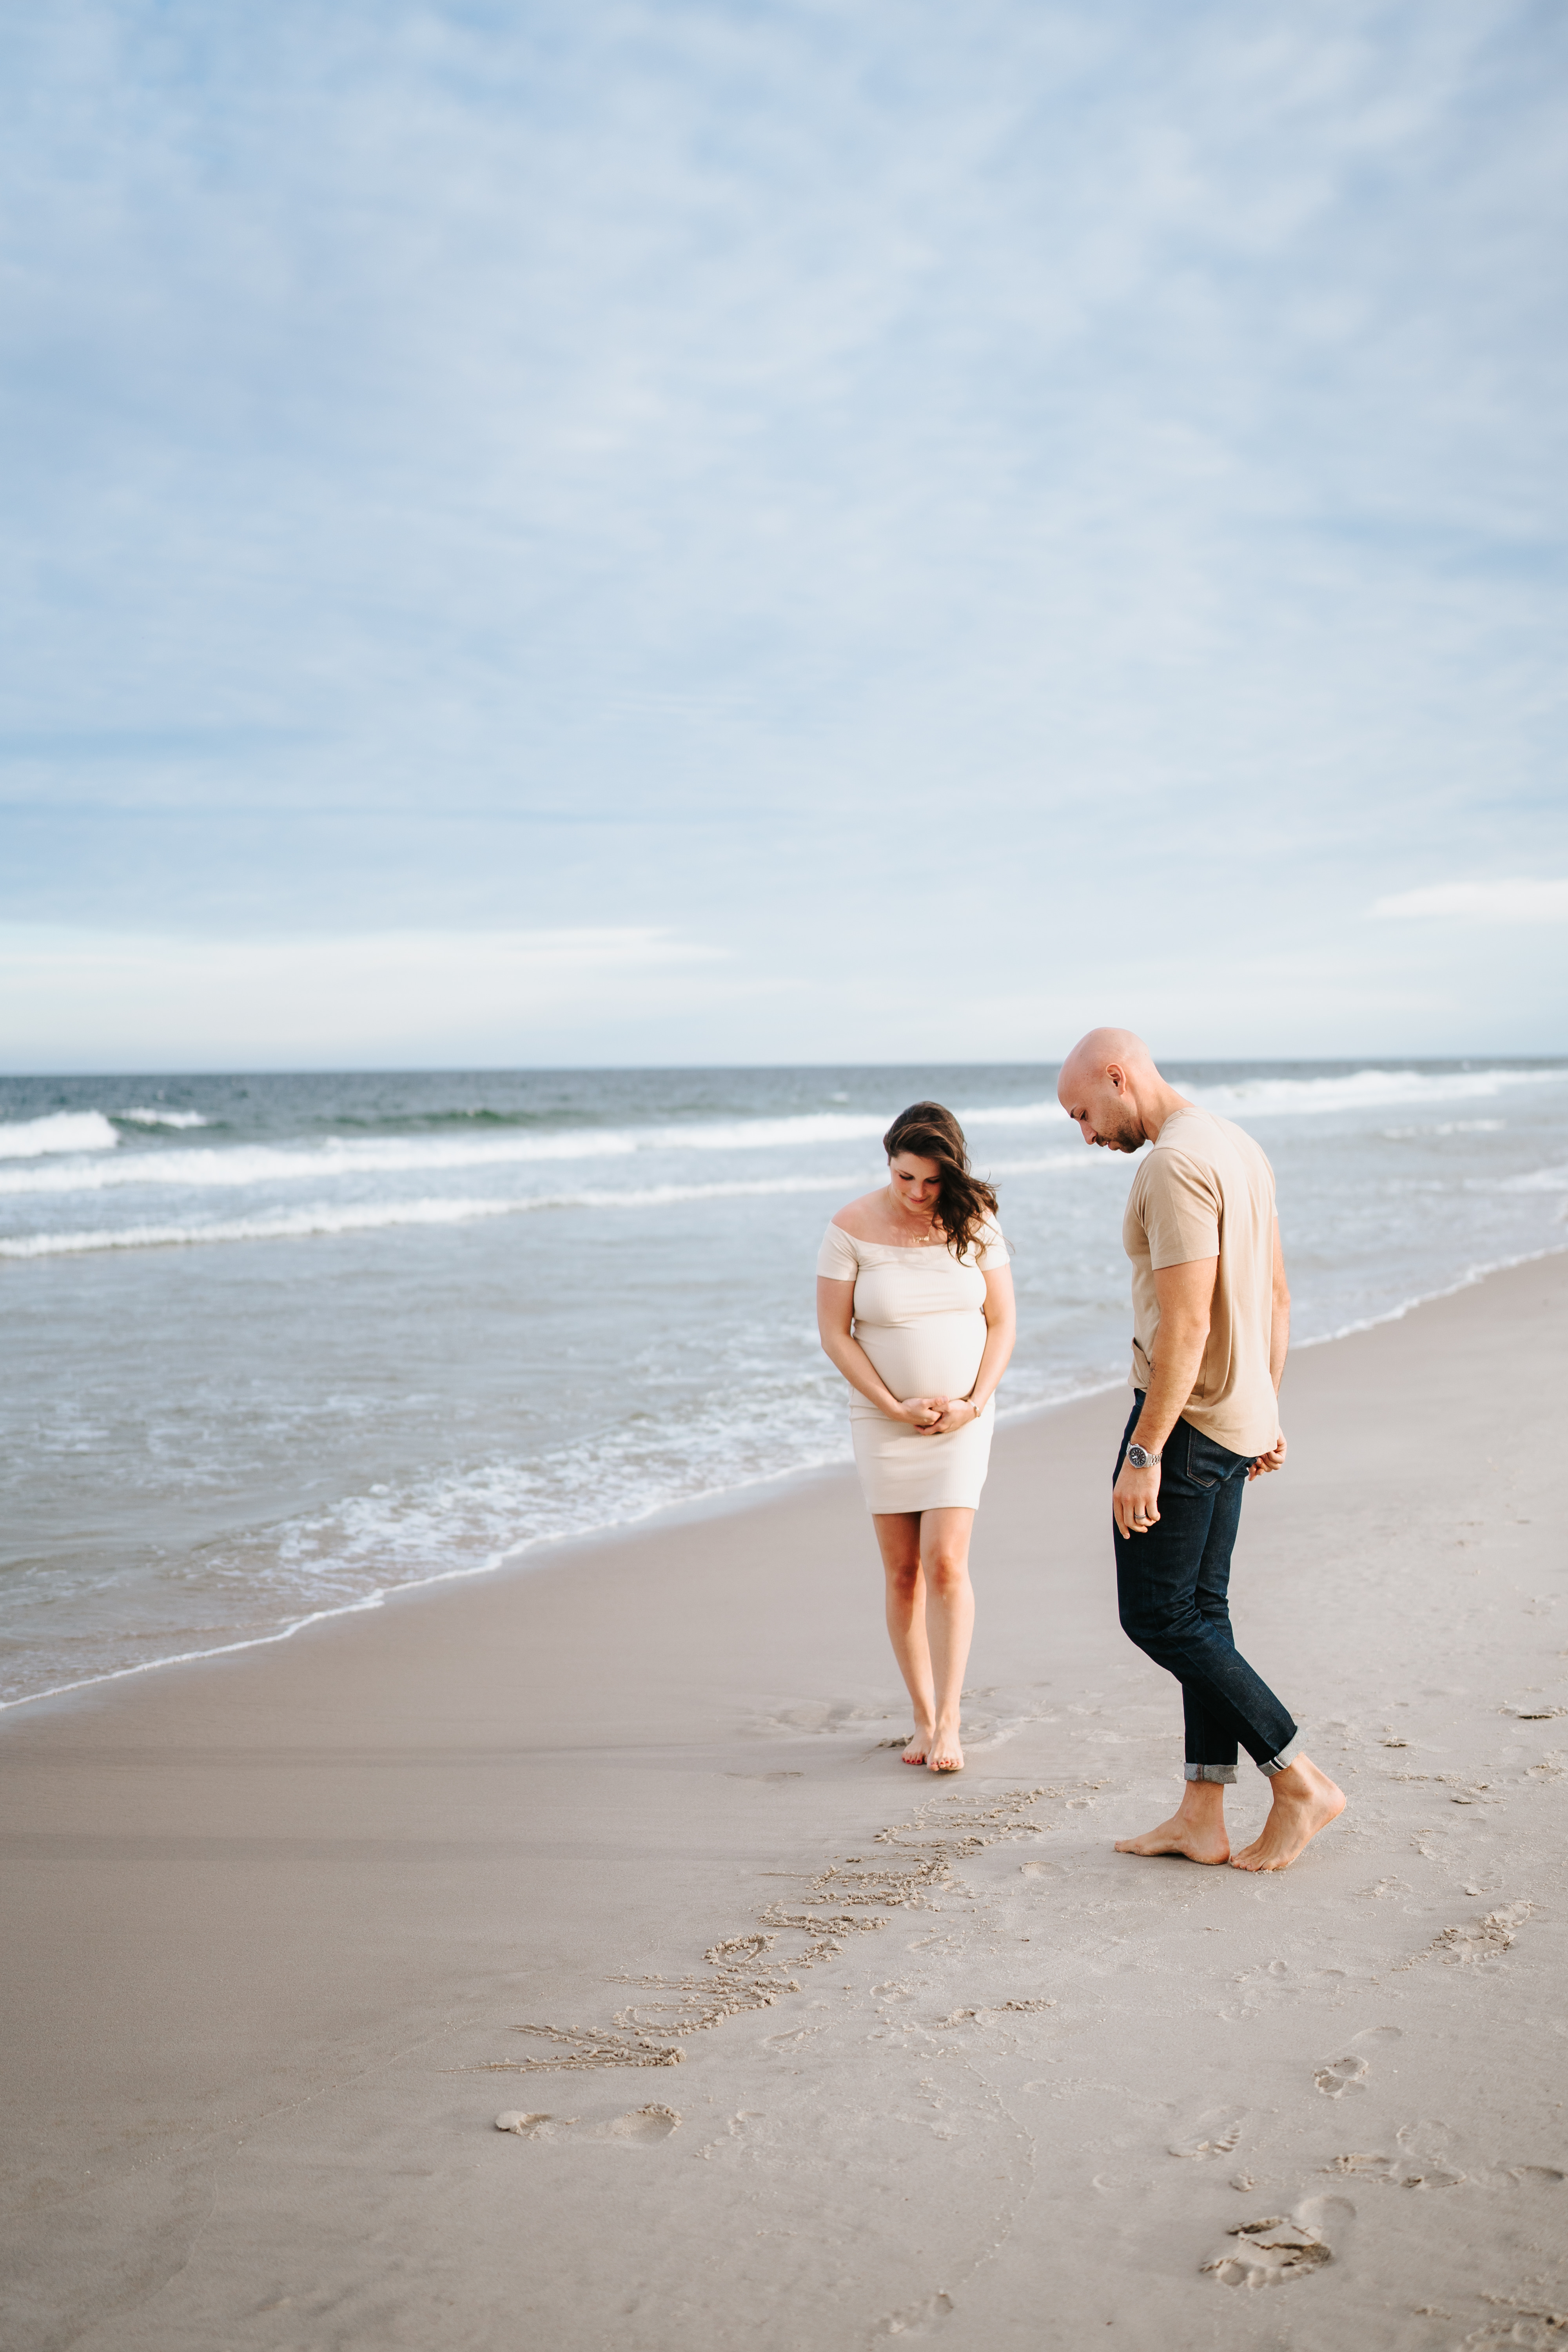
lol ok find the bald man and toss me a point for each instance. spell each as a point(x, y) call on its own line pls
point(1211, 1317)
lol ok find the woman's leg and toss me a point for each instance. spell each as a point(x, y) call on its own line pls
point(950, 1624)
point(899, 1535)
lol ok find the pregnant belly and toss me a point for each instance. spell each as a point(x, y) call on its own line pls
point(938, 1356)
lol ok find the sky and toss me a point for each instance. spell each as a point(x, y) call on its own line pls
point(837, 530)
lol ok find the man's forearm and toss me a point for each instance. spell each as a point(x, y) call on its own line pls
point(1174, 1377)
point(1278, 1342)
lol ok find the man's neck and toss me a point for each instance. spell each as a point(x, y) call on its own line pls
point(1163, 1104)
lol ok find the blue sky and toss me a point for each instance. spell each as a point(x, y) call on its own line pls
point(722, 532)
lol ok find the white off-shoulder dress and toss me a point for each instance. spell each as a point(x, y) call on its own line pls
point(919, 1316)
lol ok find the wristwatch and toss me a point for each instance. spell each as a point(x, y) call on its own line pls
point(1140, 1458)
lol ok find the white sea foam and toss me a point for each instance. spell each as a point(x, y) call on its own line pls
point(59, 1130)
point(247, 1164)
point(1444, 1127)
point(242, 1165)
point(1537, 1179)
point(288, 1224)
point(1363, 1090)
point(160, 1117)
point(300, 1224)
point(1052, 1161)
point(324, 1218)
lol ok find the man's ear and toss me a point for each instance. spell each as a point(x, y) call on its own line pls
point(1118, 1078)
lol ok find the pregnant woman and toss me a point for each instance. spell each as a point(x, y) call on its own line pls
point(914, 1302)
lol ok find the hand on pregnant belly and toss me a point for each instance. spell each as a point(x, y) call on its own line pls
point(957, 1412)
point(922, 1413)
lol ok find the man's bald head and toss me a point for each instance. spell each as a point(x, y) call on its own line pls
point(1093, 1056)
point(1109, 1085)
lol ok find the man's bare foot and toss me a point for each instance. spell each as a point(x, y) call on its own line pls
point(1305, 1801)
point(944, 1754)
point(915, 1753)
point(1198, 1840)
point(1195, 1830)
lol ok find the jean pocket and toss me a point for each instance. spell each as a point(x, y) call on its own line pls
point(1209, 1464)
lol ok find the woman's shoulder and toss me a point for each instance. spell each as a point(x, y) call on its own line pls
point(858, 1218)
point(838, 1258)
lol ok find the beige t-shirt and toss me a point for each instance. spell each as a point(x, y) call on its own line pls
point(1207, 1191)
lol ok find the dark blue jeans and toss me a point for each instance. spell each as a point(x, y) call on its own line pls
point(1173, 1587)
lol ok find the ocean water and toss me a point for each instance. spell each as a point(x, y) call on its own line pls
point(276, 1346)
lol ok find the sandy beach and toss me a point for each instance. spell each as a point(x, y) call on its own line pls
point(806, 2049)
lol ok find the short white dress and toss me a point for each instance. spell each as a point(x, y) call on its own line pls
point(919, 1316)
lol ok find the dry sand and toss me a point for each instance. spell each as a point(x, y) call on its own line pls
point(948, 2066)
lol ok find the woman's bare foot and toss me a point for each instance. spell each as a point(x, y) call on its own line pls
point(1305, 1801)
point(1195, 1830)
point(915, 1753)
point(944, 1754)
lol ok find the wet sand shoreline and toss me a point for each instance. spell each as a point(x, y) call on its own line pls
point(931, 2048)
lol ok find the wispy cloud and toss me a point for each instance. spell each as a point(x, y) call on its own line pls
point(1521, 900)
point(70, 999)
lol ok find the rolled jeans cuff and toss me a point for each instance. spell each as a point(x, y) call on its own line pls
point(1287, 1755)
point(1217, 1771)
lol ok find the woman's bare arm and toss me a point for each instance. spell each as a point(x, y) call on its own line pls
point(1000, 1331)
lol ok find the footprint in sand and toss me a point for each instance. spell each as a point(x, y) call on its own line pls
point(1345, 2074)
point(1427, 2139)
point(1267, 1987)
point(1422, 2161)
point(526, 2126)
point(643, 2128)
point(820, 1716)
point(1533, 2329)
point(918, 2319)
point(1216, 2134)
point(1282, 2246)
point(1377, 2037)
point(1485, 1939)
point(1362, 2166)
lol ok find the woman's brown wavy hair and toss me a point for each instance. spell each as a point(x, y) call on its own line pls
point(962, 1202)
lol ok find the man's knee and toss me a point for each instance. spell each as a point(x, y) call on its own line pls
point(1157, 1627)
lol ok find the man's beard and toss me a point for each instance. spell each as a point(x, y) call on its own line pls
point(1125, 1137)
